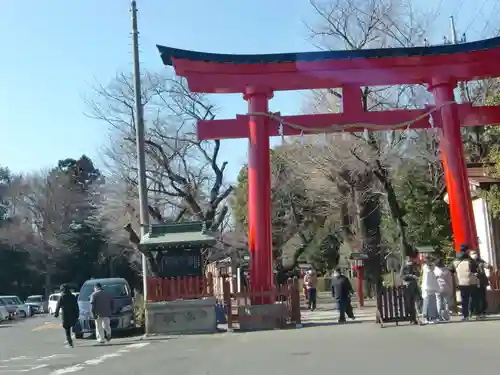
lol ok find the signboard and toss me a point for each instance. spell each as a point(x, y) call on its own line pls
point(393, 262)
point(181, 263)
point(358, 256)
point(425, 249)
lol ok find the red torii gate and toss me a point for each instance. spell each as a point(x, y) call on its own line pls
point(258, 76)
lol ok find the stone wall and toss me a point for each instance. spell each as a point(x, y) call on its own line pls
point(182, 316)
point(262, 317)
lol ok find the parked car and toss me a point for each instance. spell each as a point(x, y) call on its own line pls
point(53, 299)
point(37, 303)
point(4, 314)
point(123, 318)
point(15, 306)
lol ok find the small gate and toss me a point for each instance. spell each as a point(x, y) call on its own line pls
point(287, 295)
point(393, 306)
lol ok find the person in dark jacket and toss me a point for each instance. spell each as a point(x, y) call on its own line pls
point(413, 297)
point(341, 293)
point(481, 266)
point(68, 306)
point(102, 308)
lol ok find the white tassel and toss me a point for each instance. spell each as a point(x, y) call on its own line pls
point(281, 132)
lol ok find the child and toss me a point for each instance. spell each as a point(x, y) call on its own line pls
point(445, 294)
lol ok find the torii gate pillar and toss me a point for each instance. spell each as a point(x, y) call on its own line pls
point(259, 193)
point(455, 171)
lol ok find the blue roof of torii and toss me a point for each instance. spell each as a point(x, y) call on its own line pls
point(169, 53)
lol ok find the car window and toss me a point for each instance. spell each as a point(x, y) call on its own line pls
point(17, 301)
point(2, 302)
point(115, 290)
point(34, 299)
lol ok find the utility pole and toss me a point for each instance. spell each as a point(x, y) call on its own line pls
point(454, 40)
point(139, 140)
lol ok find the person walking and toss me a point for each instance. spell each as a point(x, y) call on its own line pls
point(479, 297)
point(311, 282)
point(465, 273)
point(102, 309)
point(430, 289)
point(341, 291)
point(68, 307)
point(445, 294)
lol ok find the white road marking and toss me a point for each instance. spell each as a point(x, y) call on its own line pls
point(67, 370)
point(99, 360)
point(14, 359)
point(54, 356)
point(33, 368)
point(20, 368)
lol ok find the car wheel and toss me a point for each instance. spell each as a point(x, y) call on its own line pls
point(22, 313)
point(78, 335)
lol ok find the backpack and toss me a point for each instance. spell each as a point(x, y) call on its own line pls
point(464, 275)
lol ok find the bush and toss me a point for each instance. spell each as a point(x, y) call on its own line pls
point(139, 313)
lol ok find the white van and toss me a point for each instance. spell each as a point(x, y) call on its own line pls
point(53, 299)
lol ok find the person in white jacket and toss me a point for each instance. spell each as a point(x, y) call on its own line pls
point(445, 294)
point(430, 289)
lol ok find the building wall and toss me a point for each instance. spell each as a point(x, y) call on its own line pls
point(485, 231)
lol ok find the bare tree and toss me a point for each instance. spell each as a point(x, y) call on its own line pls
point(185, 176)
point(371, 157)
point(42, 213)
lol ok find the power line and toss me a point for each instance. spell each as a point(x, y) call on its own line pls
point(493, 13)
point(458, 8)
point(479, 11)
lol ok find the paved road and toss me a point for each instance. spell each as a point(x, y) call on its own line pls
point(355, 348)
point(36, 346)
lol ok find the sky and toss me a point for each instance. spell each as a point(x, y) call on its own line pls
point(53, 52)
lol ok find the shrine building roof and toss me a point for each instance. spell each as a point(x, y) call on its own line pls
point(181, 235)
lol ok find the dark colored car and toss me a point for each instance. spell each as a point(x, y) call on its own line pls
point(123, 318)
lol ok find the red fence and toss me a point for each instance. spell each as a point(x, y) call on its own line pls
point(287, 294)
point(174, 288)
point(195, 287)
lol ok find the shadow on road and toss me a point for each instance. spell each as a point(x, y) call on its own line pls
point(330, 323)
point(114, 343)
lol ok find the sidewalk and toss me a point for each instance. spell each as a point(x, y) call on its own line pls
point(326, 314)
